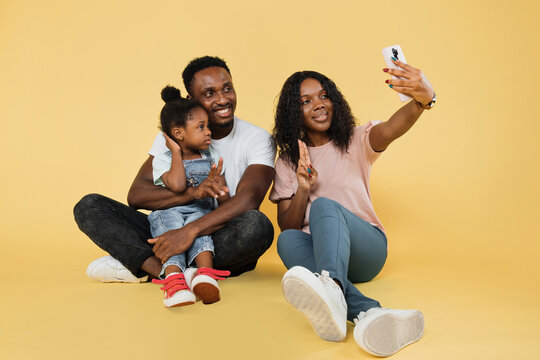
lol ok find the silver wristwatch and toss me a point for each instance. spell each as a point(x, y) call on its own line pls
point(430, 104)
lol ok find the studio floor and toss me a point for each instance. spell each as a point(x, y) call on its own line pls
point(51, 310)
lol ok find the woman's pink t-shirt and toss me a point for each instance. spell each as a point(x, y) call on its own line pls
point(343, 177)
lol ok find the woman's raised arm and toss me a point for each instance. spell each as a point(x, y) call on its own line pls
point(414, 84)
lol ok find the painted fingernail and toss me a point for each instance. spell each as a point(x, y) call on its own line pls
point(311, 166)
point(391, 86)
point(393, 58)
point(386, 81)
point(310, 175)
point(385, 69)
point(309, 171)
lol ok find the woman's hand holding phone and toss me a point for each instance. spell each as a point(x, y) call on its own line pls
point(406, 80)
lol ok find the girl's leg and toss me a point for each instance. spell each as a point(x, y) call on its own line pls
point(176, 263)
point(203, 281)
point(162, 221)
point(202, 250)
point(348, 248)
point(175, 286)
point(204, 259)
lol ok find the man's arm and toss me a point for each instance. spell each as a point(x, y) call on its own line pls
point(249, 194)
point(143, 194)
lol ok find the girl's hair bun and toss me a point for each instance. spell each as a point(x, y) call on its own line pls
point(170, 93)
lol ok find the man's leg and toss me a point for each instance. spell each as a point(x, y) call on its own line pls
point(118, 229)
point(242, 242)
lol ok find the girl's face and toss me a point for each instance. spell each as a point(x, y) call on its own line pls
point(316, 106)
point(195, 135)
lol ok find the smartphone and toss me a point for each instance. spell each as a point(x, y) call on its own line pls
point(395, 51)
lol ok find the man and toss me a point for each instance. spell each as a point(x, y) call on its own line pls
point(241, 233)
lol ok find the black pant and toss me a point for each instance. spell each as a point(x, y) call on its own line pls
point(123, 232)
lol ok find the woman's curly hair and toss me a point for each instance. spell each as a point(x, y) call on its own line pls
point(289, 126)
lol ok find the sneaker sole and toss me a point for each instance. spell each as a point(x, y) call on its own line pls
point(389, 333)
point(181, 304)
point(208, 293)
point(308, 302)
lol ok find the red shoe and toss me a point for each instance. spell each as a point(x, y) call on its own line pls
point(177, 292)
point(205, 286)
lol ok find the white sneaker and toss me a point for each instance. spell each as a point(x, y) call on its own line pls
point(383, 332)
point(204, 285)
point(108, 269)
point(320, 299)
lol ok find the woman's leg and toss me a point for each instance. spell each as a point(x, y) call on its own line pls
point(315, 295)
point(348, 248)
point(295, 247)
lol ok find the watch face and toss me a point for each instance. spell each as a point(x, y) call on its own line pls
point(433, 101)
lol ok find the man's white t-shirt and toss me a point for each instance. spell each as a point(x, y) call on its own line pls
point(246, 145)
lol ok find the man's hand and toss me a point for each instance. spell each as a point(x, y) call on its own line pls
point(212, 186)
point(173, 242)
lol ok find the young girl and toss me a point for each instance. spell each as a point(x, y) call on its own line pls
point(331, 235)
point(187, 164)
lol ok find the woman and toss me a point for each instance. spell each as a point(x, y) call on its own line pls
point(331, 236)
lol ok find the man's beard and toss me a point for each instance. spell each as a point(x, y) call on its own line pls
point(224, 125)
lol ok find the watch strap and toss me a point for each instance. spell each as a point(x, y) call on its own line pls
point(430, 104)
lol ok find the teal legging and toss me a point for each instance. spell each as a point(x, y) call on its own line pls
point(349, 248)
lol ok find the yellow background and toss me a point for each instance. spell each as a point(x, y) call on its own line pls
point(458, 194)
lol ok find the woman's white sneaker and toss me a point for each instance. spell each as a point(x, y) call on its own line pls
point(320, 299)
point(383, 332)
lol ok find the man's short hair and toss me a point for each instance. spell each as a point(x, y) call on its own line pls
point(199, 64)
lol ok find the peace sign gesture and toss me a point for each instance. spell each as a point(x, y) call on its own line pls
point(306, 174)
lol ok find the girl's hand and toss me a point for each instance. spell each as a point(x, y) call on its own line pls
point(414, 83)
point(171, 144)
point(213, 186)
point(306, 175)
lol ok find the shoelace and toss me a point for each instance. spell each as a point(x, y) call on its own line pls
point(363, 314)
point(359, 317)
point(173, 284)
point(213, 273)
point(325, 278)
